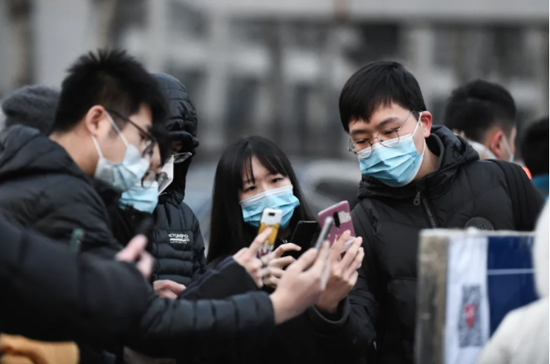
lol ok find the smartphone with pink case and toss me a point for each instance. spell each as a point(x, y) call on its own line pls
point(342, 222)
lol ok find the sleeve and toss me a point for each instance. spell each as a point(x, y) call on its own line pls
point(78, 207)
point(181, 328)
point(49, 293)
point(227, 279)
point(497, 349)
point(199, 261)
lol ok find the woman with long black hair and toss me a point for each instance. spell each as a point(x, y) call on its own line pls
point(253, 174)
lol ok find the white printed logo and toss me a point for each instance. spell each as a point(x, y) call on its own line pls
point(344, 217)
point(178, 238)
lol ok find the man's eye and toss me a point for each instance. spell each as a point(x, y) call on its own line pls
point(362, 141)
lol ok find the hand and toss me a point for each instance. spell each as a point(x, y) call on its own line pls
point(302, 284)
point(135, 252)
point(343, 275)
point(247, 258)
point(166, 288)
point(276, 264)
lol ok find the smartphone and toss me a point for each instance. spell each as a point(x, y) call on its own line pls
point(325, 231)
point(271, 218)
point(305, 233)
point(342, 222)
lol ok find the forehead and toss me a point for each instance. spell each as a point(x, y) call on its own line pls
point(143, 116)
point(379, 116)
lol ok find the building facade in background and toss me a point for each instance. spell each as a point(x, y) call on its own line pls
point(275, 68)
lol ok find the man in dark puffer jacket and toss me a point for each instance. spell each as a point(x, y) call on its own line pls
point(177, 245)
point(415, 177)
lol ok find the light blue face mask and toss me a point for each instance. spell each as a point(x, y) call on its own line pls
point(396, 165)
point(124, 175)
point(140, 198)
point(281, 198)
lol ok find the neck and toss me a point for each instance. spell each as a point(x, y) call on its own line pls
point(429, 164)
point(78, 152)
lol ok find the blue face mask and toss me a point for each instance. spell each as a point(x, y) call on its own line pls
point(281, 198)
point(142, 199)
point(394, 165)
point(124, 175)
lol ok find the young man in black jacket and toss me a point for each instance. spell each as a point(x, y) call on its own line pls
point(101, 131)
point(177, 244)
point(415, 176)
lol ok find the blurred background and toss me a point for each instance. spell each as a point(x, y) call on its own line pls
point(275, 68)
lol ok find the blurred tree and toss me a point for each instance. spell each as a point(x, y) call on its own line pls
point(19, 13)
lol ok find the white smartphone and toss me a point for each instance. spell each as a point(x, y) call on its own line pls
point(271, 218)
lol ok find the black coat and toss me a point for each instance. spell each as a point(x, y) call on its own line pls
point(177, 244)
point(50, 293)
point(389, 220)
point(42, 189)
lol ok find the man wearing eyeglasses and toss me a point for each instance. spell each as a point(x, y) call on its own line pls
point(177, 245)
point(415, 176)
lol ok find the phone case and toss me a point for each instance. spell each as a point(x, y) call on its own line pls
point(342, 222)
point(271, 218)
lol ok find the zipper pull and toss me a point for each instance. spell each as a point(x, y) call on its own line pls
point(416, 201)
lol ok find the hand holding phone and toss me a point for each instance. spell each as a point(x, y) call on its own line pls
point(342, 221)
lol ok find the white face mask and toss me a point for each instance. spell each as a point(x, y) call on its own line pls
point(124, 175)
point(168, 168)
point(508, 149)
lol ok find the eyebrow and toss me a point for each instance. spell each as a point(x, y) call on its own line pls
point(382, 124)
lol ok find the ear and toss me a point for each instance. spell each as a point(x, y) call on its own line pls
point(426, 123)
point(495, 142)
point(93, 118)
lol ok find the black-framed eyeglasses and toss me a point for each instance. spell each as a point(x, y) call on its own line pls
point(150, 139)
point(181, 157)
point(388, 138)
point(151, 177)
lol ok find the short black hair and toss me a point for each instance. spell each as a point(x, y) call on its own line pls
point(112, 79)
point(379, 83)
point(228, 231)
point(33, 106)
point(478, 106)
point(534, 147)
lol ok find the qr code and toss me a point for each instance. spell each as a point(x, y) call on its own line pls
point(469, 323)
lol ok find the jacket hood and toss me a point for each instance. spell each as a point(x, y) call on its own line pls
point(453, 152)
point(26, 151)
point(181, 123)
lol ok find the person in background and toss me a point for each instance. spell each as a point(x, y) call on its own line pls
point(534, 150)
point(415, 176)
point(177, 244)
point(484, 113)
point(32, 106)
point(254, 174)
point(522, 336)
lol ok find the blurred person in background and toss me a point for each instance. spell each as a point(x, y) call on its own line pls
point(32, 106)
point(534, 150)
point(177, 244)
point(415, 176)
point(253, 174)
point(522, 337)
point(484, 113)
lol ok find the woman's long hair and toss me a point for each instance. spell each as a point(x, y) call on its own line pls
point(228, 231)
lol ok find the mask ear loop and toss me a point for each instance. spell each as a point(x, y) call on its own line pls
point(414, 132)
point(97, 147)
point(116, 128)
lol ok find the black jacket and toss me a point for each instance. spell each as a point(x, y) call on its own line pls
point(389, 220)
point(51, 293)
point(177, 245)
point(42, 189)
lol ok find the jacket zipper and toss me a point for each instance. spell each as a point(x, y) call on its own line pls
point(419, 199)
